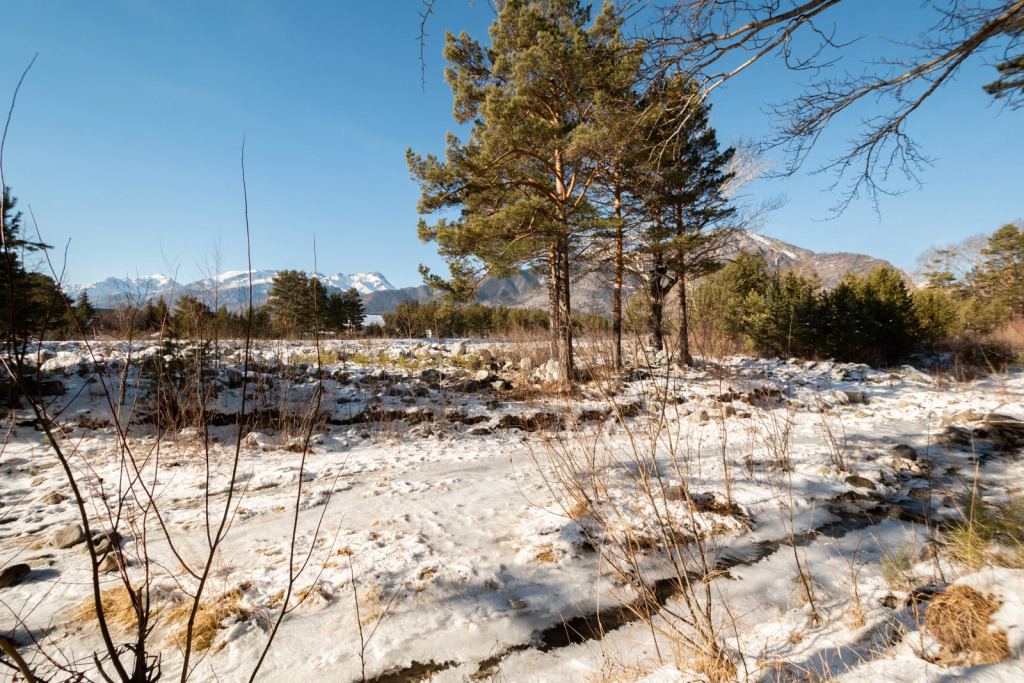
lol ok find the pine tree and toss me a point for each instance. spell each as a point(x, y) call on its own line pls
point(687, 198)
point(155, 315)
point(192, 317)
point(353, 310)
point(84, 311)
point(1010, 83)
point(28, 300)
point(289, 302)
point(523, 181)
point(1000, 278)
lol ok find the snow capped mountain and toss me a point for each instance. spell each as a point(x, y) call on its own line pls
point(114, 290)
point(364, 283)
point(229, 289)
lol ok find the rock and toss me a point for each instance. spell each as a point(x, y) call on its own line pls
point(853, 396)
point(101, 544)
point(526, 365)
point(233, 378)
point(397, 390)
point(501, 385)
point(13, 575)
point(482, 376)
point(860, 482)
point(429, 375)
point(728, 411)
point(458, 349)
point(480, 431)
point(68, 536)
point(913, 374)
point(902, 450)
point(837, 397)
point(110, 563)
point(954, 436)
point(1006, 421)
point(516, 603)
point(889, 601)
point(53, 497)
point(969, 415)
point(466, 385)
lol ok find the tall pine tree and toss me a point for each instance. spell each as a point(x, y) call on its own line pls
point(523, 180)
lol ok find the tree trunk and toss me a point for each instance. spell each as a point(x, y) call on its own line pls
point(684, 323)
point(617, 286)
point(657, 308)
point(554, 311)
point(566, 371)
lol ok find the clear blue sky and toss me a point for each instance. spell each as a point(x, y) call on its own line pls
point(128, 130)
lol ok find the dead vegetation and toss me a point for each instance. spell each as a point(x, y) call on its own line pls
point(960, 619)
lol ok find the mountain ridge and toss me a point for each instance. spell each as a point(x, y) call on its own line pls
point(590, 292)
point(230, 288)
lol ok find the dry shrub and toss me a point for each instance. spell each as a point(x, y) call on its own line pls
point(959, 619)
point(715, 666)
point(208, 620)
point(372, 609)
point(117, 607)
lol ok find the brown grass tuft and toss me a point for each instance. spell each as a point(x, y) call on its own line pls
point(959, 619)
point(715, 666)
point(209, 618)
point(117, 607)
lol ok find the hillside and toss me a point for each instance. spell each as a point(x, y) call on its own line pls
point(592, 292)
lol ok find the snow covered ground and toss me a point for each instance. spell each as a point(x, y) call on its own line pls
point(458, 522)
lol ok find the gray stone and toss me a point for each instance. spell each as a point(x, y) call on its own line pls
point(526, 365)
point(429, 375)
point(853, 396)
point(466, 385)
point(902, 450)
point(501, 385)
point(68, 536)
point(913, 374)
point(110, 563)
point(482, 376)
point(13, 575)
point(838, 398)
point(860, 482)
point(233, 378)
point(458, 348)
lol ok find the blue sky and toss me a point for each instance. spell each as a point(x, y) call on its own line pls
point(128, 130)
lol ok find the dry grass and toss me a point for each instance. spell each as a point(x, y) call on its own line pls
point(715, 666)
point(371, 608)
point(959, 618)
point(117, 607)
point(208, 620)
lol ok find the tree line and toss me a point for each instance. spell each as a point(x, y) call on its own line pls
point(971, 290)
point(297, 306)
point(444, 319)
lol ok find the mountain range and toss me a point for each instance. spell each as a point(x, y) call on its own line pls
point(229, 289)
point(591, 291)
